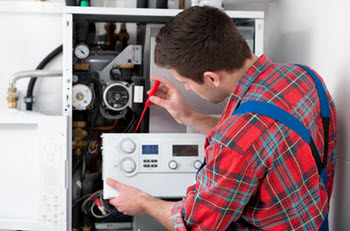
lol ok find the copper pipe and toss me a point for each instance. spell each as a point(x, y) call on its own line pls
point(181, 4)
point(107, 128)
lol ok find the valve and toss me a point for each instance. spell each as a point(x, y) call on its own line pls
point(12, 97)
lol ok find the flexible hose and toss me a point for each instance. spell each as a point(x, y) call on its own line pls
point(36, 73)
point(41, 66)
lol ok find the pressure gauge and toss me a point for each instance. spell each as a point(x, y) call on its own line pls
point(82, 51)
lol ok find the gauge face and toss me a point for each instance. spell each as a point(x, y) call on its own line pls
point(82, 51)
point(116, 97)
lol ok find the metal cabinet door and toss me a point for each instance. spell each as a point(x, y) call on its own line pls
point(33, 172)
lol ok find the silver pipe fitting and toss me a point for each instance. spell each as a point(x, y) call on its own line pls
point(33, 74)
point(12, 90)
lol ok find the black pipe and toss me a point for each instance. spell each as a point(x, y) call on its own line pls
point(71, 2)
point(42, 64)
point(142, 4)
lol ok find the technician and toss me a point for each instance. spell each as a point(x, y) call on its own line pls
point(268, 164)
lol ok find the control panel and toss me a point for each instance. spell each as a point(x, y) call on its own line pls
point(161, 164)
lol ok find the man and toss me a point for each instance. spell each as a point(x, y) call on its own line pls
point(260, 174)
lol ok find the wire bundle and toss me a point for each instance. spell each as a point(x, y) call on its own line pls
point(96, 200)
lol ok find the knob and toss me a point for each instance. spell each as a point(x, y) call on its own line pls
point(128, 146)
point(128, 165)
point(197, 164)
point(173, 164)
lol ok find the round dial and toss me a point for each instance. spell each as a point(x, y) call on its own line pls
point(128, 146)
point(197, 164)
point(128, 165)
point(82, 96)
point(173, 164)
point(82, 51)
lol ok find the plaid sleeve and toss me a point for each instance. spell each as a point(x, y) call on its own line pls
point(218, 198)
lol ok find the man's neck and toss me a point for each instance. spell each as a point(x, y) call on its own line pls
point(235, 76)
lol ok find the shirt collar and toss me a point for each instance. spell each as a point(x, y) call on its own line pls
point(244, 83)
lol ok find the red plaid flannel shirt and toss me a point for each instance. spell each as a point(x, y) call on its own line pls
point(260, 174)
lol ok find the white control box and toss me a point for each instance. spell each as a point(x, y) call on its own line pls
point(161, 164)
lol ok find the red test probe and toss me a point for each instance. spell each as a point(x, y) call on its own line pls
point(148, 102)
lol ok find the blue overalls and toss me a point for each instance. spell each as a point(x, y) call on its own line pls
point(290, 121)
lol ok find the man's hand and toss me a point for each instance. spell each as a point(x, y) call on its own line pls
point(130, 200)
point(170, 98)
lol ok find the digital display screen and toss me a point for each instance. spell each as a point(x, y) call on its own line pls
point(150, 149)
point(185, 150)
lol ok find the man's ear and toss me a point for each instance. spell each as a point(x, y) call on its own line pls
point(211, 77)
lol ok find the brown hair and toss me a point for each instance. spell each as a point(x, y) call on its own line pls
point(200, 39)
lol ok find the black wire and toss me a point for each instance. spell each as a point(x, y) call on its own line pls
point(127, 129)
point(94, 118)
point(42, 64)
point(80, 199)
point(133, 124)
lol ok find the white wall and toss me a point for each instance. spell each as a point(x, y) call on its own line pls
point(316, 33)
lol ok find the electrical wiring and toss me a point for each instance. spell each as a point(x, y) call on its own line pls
point(79, 200)
point(89, 199)
point(92, 150)
point(106, 205)
point(130, 125)
point(95, 215)
point(96, 200)
point(133, 125)
point(110, 218)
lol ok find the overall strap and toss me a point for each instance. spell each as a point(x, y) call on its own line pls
point(290, 121)
point(325, 110)
point(285, 118)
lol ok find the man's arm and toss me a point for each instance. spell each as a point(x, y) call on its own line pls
point(170, 98)
point(132, 201)
point(159, 210)
point(200, 122)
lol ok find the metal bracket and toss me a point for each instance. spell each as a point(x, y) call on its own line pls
point(131, 55)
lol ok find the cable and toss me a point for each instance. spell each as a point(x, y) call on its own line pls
point(92, 196)
point(96, 199)
point(110, 218)
point(41, 66)
point(95, 215)
point(133, 125)
point(127, 129)
point(80, 199)
point(106, 205)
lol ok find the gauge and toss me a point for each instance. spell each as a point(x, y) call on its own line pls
point(82, 51)
point(83, 97)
